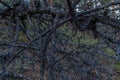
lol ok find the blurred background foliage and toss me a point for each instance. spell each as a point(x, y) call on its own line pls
point(64, 33)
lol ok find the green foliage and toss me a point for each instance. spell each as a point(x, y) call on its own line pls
point(105, 1)
point(22, 37)
point(84, 38)
point(59, 3)
point(78, 38)
point(117, 66)
point(109, 51)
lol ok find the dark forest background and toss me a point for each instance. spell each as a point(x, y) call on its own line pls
point(59, 40)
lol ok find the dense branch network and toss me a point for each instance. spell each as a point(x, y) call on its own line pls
point(86, 20)
point(49, 19)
